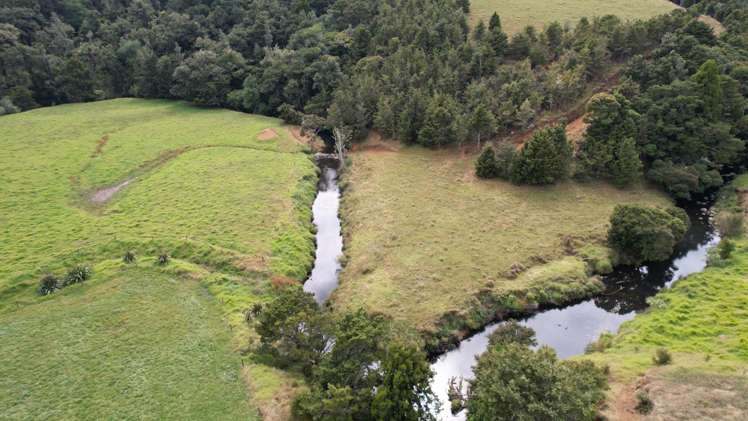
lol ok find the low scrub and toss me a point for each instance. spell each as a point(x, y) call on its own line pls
point(662, 357)
point(48, 285)
point(77, 275)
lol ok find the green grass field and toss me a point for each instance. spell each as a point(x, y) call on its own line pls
point(227, 195)
point(424, 237)
point(517, 14)
point(204, 189)
point(135, 343)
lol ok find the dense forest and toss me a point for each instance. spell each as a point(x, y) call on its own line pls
point(410, 69)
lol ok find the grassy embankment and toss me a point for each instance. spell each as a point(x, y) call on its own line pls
point(703, 323)
point(517, 14)
point(442, 252)
point(227, 195)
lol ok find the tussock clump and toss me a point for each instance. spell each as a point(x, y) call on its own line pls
point(163, 259)
point(129, 257)
point(48, 285)
point(77, 275)
point(729, 224)
point(662, 357)
point(644, 404)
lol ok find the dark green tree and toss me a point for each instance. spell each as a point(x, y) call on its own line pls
point(645, 234)
point(544, 159)
point(485, 166)
point(405, 392)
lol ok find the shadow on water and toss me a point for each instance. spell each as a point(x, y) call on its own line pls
point(570, 329)
point(324, 277)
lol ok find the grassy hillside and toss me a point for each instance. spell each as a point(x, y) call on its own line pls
point(204, 187)
point(227, 195)
point(516, 14)
point(425, 238)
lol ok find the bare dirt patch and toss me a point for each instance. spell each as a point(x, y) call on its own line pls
point(102, 196)
point(267, 134)
point(576, 129)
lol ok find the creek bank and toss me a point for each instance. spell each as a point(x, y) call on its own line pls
point(569, 329)
point(323, 278)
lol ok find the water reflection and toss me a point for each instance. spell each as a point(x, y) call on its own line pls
point(570, 329)
point(324, 277)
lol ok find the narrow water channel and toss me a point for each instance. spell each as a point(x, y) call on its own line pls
point(324, 277)
point(570, 329)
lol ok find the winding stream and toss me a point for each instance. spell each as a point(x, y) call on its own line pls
point(324, 277)
point(570, 329)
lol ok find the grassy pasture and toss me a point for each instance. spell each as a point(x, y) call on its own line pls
point(204, 188)
point(517, 14)
point(423, 236)
point(134, 343)
point(226, 194)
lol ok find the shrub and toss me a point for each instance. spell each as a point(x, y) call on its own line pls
point(48, 285)
point(729, 224)
point(512, 332)
point(163, 259)
point(485, 166)
point(644, 404)
point(77, 275)
point(129, 257)
point(604, 342)
point(662, 357)
point(725, 248)
point(645, 234)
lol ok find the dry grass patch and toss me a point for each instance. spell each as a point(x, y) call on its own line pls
point(422, 238)
point(516, 14)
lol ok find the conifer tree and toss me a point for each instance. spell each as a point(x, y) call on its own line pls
point(485, 166)
point(627, 166)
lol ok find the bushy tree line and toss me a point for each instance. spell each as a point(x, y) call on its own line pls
point(354, 372)
point(409, 68)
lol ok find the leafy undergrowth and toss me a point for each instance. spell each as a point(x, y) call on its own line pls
point(703, 323)
point(133, 342)
point(517, 14)
point(441, 251)
point(226, 195)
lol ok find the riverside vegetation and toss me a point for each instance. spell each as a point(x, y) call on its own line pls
point(127, 189)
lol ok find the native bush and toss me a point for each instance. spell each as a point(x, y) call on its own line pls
point(644, 404)
point(48, 284)
point(129, 257)
point(512, 332)
point(662, 357)
point(163, 259)
point(515, 382)
point(485, 166)
point(77, 275)
point(646, 234)
point(725, 248)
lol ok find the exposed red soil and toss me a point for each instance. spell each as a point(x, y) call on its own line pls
point(267, 134)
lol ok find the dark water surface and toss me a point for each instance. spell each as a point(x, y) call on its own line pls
point(570, 329)
point(324, 277)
